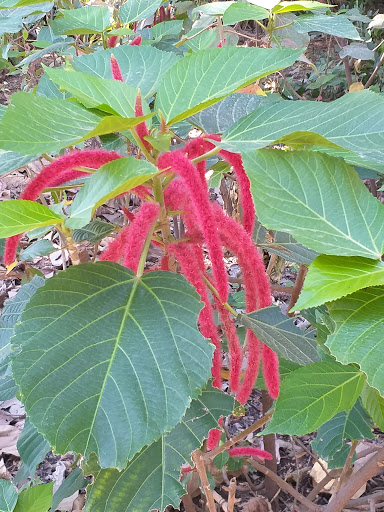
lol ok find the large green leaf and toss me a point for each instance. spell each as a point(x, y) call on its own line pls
point(299, 5)
point(10, 161)
point(110, 361)
point(193, 83)
point(18, 216)
point(213, 8)
point(318, 199)
point(285, 246)
point(158, 465)
point(220, 116)
point(91, 19)
point(353, 425)
point(347, 122)
point(338, 26)
point(35, 499)
point(332, 277)
point(279, 332)
point(74, 482)
point(241, 11)
point(312, 395)
point(8, 496)
point(142, 67)
point(111, 96)
point(374, 404)
point(56, 124)
point(109, 181)
point(32, 448)
point(10, 25)
point(136, 10)
point(359, 336)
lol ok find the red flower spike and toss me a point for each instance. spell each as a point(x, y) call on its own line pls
point(199, 195)
point(176, 197)
point(116, 249)
point(56, 173)
point(213, 438)
point(188, 469)
point(136, 41)
point(116, 71)
point(220, 421)
point(249, 451)
point(112, 41)
point(254, 346)
point(271, 371)
point(161, 14)
point(140, 230)
point(186, 257)
point(141, 129)
point(234, 347)
point(164, 262)
point(130, 216)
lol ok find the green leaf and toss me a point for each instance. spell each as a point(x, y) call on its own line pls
point(320, 319)
point(32, 448)
point(357, 51)
point(108, 181)
point(158, 464)
point(10, 161)
point(61, 47)
point(110, 96)
point(98, 359)
point(353, 425)
point(332, 277)
point(18, 216)
point(352, 159)
point(136, 10)
point(56, 124)
point(206, 39)
point(345, 122)
point(167, 28)
point(8, 496)
point(358, 335)
point(35, 499)
point(285, 246)
point(212, 8)
point(220, 116)
point(279, 333)
point(285, 368)
point(312, 395)
point(374, 404)
point(240, 11)
point(39, 248)
point(191, 84)
point(92, 19)
point(302, 5)
point(318, 199)
point(74, 482)
point(142, 67)
point(10, 25)
point(338, 26)
point(95, 231)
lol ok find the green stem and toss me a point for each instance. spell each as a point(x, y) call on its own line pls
point(216, 294)
point(164, 223)
point(213, 152)
point(142, 147)
point(144, 254)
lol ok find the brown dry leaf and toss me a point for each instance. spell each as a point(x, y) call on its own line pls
point(258, 504)
point(356, 87)
point(9, 436)
point(4, 473)
point(79, 503)
point(253, 89)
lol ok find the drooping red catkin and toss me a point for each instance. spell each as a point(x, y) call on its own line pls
point(161, 14)
point(136, 41)
point(186, 256)
point(213, 438)
point(271, 371)
point(164, 265)
point(234, 346)
point(116, 71)
point(112, 41)
point(141, 129)
point(249, 451)
point(176, 197)
point(257, 295)
point(116, 249)
point(140, 230)
point(198, 192)
point(56, 173)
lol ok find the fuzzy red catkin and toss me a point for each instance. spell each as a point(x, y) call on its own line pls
point(176, 197)
point(56, 173)
point(233, 345)
point(164, 265)
point(136, 41)
point(213, 438)
point(189, 264)
point(271, 371)
point(257, 295)
point(116, 71)
point(198, 192)
point(249, 451)
point(112, 41)
point(141, 129)
point(140, 230)
point(116, 249)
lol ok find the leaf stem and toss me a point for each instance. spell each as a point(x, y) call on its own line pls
point(143, 149)
point(213, 152)
point(216, 294)
point(164, 223)
point(144, 254)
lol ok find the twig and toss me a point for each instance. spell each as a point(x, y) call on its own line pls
point(297, 288)
point(188, 503)
point(269, 440)
point(198, 460)
point(375, 496)
point(220, 500)
point(347, 464)
point(369, 469)
point(284, 485)
point(313, 455)
point(319, 486)
point(291, 88)
point(347, 69)
point(184, 39)
point(374, 72)
point(225, 446)
point(231, 31)
point(232, 495)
